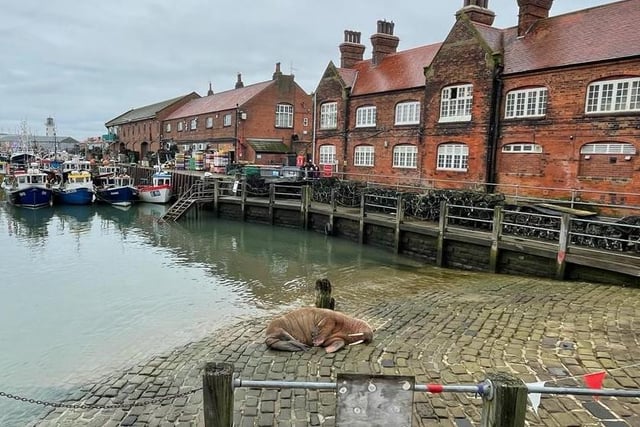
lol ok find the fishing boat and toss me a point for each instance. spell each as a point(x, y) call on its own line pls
point(160, 189)
point(116, 189)
point(76, 164)
point(28, 188)
point(76, 188)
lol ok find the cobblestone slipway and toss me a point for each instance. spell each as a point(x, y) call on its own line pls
point(536, 330)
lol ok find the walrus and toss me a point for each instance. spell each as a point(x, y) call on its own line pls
point(302, 328)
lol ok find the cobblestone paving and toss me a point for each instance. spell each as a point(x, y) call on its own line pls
point(536, 330)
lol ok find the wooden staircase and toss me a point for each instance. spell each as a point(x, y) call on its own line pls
point(200, 192)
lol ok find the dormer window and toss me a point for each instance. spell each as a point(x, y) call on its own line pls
point(526, 103)
point(614, 96)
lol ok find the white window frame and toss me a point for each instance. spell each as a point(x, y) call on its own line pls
point(194, 124)
point(180, 126)
point(455, 103)
point(613, 96)
point(408, 113)
point(167, 127)
point(227, 120)
point(405, 156)
point(284, 116)
point(608, 148)
point(366, 116)
point(329, 115)
point(327, 154)
point(364, 155)
point(522, 148)
point(526, 103)
point(453, 157)
point(209, 123)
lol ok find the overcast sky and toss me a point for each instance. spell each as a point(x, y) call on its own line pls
point(84, 62)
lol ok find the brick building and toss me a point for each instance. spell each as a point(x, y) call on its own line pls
point(139, 130)
point(263, 123)
point(541, 108)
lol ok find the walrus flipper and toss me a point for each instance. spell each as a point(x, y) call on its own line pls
point(284, 341)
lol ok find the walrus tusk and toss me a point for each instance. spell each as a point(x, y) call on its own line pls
point(359, 334)
point(357, 342)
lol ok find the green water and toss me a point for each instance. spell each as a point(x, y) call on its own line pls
point(87, 290)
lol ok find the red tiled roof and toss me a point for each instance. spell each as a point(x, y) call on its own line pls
point(401, 70)
point(219, 101)
point(595, 34)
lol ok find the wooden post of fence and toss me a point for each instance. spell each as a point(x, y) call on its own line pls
point(498, 215)
point(217, 394)
point(272, 201)
point(216, 196)
point(507, 404)
point(563, 243)
point(363, 213)
point(243, 200)
point(304, 205)
point(399, 218)
point(442, 228)
point(323, 294)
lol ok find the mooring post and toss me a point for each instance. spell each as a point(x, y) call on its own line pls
point(243, 200)
point(217, 394)
point(506, 403)
point(442, 228)
point(563, 243)
point(363, 213)
point(496, 234)
point(216, 197)
point(305, 201)
point(323, 295)
point(399, 219)
point(272, 201)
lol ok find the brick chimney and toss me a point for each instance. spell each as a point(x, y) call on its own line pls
point(531, 11)
point(277, 73)
point(383, 42)
point(239, 83)
point(477, 11)
point(351, 51)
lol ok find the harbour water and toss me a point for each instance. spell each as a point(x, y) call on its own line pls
point(88, 290)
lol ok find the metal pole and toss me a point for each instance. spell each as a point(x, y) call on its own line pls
point(582, 391)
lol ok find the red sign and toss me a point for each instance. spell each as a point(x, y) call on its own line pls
point(327, 170)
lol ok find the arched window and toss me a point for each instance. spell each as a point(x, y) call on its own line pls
point(608, 148)
point(363, 155)
point(522, 148)
point(408, 113)
point(526, 103)
point(366, 116)
point(327, 154)
point(613, 96)
point(405, 156)
point(453, 157)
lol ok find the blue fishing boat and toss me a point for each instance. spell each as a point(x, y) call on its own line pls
point(76, 188)
point(28, 188)
point(116, 190)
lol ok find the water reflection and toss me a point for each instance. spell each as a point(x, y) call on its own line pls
point(29, 224)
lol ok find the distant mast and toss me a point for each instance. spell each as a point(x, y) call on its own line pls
point(50, 131)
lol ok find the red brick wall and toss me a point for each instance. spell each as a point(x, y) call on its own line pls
point(463, 59)
point(566, 129)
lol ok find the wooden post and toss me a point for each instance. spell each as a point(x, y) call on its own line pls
point(561, 263)
point(334, 204)
point(216, 196)
point(217, 394)
point(507, 404)
point(498, 215)
point(323, 295)
point(243, 198)
point(363, 213)
point(442, 228)
point(304, 205)
point(272, 201)
point(399, 218)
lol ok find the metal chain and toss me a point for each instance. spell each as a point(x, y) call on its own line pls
point(95, 406)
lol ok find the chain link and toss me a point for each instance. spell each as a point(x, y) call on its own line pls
point(95, 406)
